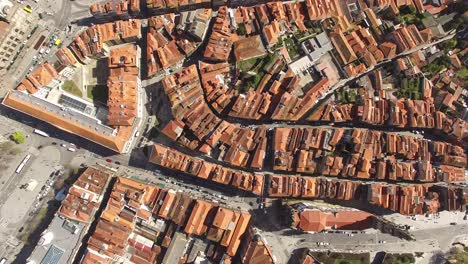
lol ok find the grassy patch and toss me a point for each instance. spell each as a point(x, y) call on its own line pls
point(71, 87)
point(7, 152)
point(411, 88)
point(458, 256)
point(437, 65)
point(98, 93)
point(342, 258)
point(292, 48)
point(258, 66)
point(248, 65)
point(347, 96)
point(399, 259)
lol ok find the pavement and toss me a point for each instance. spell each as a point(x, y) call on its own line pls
point(17, 205)
point(19, 201)
point(428, 241)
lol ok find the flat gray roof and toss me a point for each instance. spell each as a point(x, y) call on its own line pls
point(63, 111)
point(60, 249)
point(176, 249)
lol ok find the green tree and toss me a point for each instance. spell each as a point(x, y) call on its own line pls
point(241, 29)
point(344, 262)
point(449, 44)
point(408, 10)
point(463, 73)
point(308, 24)
point(18, 137)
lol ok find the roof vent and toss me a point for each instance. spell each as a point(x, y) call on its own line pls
point(122, 60)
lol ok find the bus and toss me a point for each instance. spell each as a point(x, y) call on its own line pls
point(39, 42)
point(42, 133)
point(22, 164)
point(29, 10)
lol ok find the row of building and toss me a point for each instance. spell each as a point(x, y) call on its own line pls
point(170, 40)
point(367, 154)
point(146, 224)
point(401, 113)
point(93, 43)
point(125, 9)
point(406, 199)
point(177, 161)
point(195, 126)
point(277, 95)
point(142, 223)
point(60, 242)
point(402, 198)
point(431, 105)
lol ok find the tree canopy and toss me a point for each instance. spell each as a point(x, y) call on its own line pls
point(18, 137)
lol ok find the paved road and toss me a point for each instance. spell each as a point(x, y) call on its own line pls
point(56, 16)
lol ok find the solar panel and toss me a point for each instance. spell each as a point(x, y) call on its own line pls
point(72, 103)
point(53, 255)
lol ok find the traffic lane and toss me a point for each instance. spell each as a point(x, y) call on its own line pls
point(445, 236)
point(366, 242)
point(344, 239)
point(186, 184)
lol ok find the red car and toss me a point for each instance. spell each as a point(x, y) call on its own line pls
point(109, 160)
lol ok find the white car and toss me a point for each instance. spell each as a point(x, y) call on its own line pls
point(63, 145)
